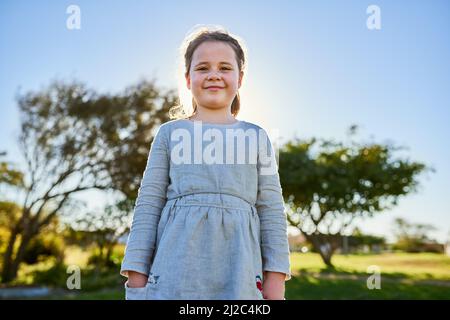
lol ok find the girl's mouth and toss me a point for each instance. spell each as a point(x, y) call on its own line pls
point(214, 88)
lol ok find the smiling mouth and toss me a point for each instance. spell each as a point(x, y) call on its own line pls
point(214, 87)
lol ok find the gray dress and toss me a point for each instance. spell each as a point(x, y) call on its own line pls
point(207, 230)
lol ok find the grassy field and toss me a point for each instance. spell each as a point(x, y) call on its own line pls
point(403, 276)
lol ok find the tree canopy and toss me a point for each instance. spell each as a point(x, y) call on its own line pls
point(328, 184)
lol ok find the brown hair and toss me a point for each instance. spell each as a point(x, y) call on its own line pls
point(192, 42)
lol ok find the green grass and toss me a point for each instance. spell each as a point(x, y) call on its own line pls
point(116, 293)
point(417, 266)
point(403, 276)
point(311, 287)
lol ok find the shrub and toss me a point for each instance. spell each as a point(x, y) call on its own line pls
point(55, 276)
point(42, 247)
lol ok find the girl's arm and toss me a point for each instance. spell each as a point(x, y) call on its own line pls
point(136, 279)
point(273, 286)
point(273, 222)
point(149, 204)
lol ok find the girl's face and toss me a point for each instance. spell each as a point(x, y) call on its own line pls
point(214, 77)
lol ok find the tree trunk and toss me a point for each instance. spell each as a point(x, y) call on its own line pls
point(26, 237)
point(323, 246)
point(7, 275)
point(109, 252)
point(326, 257)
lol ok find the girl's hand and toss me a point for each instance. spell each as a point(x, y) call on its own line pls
point(136, 279)
point(273, 286)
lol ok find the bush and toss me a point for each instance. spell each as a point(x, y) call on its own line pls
point(98, 258)
point(92, 278)
point(42, 247)
point(99, 278)
point(55, 276)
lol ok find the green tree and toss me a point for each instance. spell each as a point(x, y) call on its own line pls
point(327, 185)
point(104, 229)
point(74, 139)
point(412, 237)
point(9, 175)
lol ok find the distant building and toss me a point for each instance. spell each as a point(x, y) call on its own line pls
point(447, 248)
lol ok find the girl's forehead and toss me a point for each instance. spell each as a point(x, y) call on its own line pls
point(213, 51)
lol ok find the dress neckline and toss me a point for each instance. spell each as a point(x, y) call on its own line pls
point(214, 124)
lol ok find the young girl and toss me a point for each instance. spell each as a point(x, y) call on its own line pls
point(205, 225)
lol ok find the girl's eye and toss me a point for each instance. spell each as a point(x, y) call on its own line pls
point(204, 68)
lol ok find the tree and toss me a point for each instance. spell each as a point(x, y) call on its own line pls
point(327, 188)
point(358, 240)
point(412, 237)
point(104, 229)
point(8, 175)
point(74, 139)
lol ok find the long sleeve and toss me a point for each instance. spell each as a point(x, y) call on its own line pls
point(149, 204)
point(270, 207)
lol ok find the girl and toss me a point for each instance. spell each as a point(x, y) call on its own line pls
point(207, 226)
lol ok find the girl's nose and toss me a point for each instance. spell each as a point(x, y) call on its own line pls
point(213, 75)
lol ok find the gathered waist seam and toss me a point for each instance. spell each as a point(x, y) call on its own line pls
point(176, 198)
point(208, 205)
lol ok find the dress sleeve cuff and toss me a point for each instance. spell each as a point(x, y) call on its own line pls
point(286, 270)
point(137, 267)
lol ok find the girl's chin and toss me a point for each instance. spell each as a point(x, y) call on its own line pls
point(214, 102)
point(213, 105)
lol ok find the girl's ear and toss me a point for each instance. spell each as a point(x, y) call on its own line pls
point(188, 81)
point(241, 75)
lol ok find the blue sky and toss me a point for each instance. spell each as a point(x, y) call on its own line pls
point(314, 69)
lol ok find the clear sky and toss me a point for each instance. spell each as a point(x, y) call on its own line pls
point(314, 69)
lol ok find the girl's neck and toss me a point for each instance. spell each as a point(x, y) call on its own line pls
point(216, 116)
